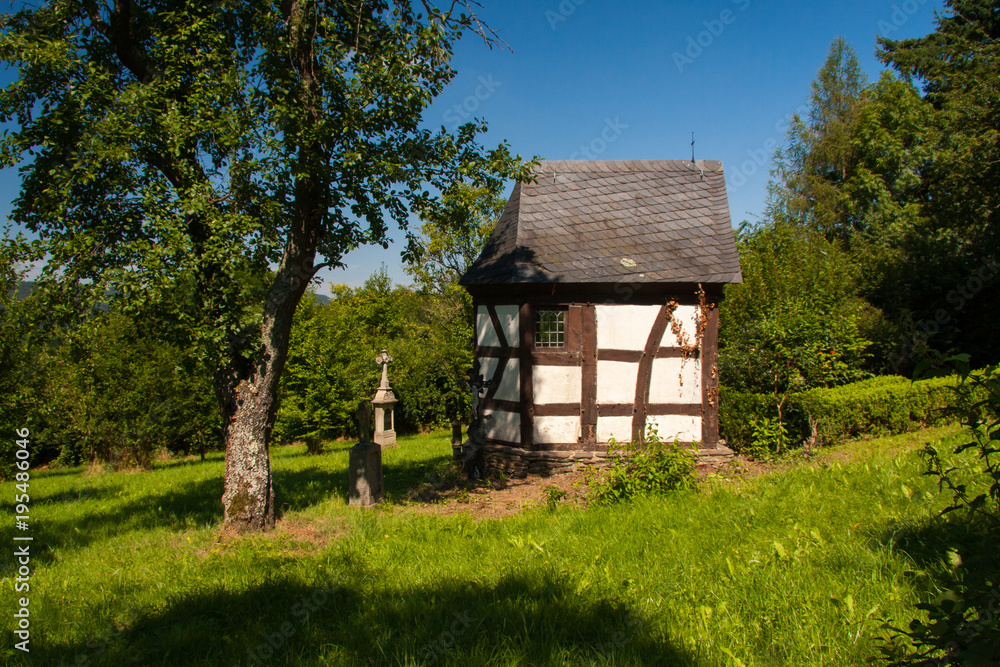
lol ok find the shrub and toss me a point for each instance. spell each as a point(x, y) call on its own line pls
point(961, 626)
point(641, 468)
point(878, 406)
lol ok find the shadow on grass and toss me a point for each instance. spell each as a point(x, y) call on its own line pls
point(198, 503)
point(958, 576)
point(283, 622)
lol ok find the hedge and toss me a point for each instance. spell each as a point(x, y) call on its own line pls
point(878, 406)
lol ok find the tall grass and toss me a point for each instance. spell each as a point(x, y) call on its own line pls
point(799, 567)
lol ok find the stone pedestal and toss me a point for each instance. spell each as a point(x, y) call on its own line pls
point(384, 402)
point(364, 485)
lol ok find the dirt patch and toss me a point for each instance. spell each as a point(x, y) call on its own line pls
point(496, 500)
point(310, 533)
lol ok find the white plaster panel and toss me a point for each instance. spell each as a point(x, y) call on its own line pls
point(619, 428)
point(488, 366)
point(687, 316)
point(675, 381)
point(485, 333)
point(508, 321)
point(679, 427)
point(503, 425)
point(616, 381)
point(510, 385)
point(622, 327)
point(557, 429)
point(556, 384)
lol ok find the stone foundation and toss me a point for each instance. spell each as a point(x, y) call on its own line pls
point(516, 463)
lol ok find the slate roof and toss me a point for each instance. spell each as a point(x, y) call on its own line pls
point(643, 221)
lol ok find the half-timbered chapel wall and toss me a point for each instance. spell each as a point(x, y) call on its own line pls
point(497, 343)
point(622, 368)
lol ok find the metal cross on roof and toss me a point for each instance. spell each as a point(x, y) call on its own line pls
point(384, 359)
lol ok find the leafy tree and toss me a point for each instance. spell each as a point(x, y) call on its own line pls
point(819, 157)
point(451, 239)
point(956, 67)
point(175, 145)
point(111, 392)
point(797, 321)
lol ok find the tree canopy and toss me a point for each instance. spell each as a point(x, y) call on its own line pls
point(227, 151)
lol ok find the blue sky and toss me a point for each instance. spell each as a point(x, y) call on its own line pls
point(632, 79)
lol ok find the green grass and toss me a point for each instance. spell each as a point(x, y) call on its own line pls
point(798, 567)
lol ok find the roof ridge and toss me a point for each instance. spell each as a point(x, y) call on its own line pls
point(552, 166)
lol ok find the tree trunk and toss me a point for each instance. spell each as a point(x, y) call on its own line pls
point(250, 398)
point(249, 392)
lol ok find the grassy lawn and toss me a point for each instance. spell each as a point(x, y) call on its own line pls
point(798, 566)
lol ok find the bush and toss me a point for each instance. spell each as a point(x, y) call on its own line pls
point(961, 626)
point(879, 406)
point(642, 468)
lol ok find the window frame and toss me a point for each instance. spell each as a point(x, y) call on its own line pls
point(552, 337)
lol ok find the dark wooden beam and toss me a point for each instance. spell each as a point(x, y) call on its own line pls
point(646, 370)
point(526, 338)
point(588, 374)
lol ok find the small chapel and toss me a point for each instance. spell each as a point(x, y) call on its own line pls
point(597, 311)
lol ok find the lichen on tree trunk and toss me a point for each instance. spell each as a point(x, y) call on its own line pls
point(248, 496)
point(249, 390)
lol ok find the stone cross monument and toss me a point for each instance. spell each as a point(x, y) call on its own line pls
point(385, 420)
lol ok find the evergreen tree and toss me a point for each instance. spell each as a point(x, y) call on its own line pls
point(811, 169)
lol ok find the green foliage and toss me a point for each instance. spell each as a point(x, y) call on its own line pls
point(452, 238)
point(796, 322)
point(15, 377)
point(642, 468)
point(978, 406)
point(878, 406)
point(961, 626)
point(112, 393)
point(768, 437)
point(331, 364)
point(553, 495)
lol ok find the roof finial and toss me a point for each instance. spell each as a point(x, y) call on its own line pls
point(692, 147)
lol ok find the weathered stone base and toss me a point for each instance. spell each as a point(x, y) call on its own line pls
point(364, 484)
point(516, 463)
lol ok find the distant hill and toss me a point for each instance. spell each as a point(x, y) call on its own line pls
point(24, 289)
